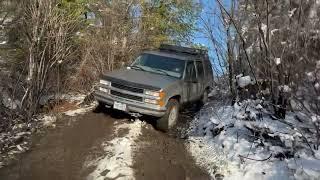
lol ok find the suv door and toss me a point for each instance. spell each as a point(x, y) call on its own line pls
point(200, 78)
point(190, 82)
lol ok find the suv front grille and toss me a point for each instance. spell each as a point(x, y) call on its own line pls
point(127, 88)
point(126, 96)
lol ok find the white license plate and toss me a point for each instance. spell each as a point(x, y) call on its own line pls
point(120, 106)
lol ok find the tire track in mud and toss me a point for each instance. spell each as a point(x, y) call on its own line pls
point(163, 157)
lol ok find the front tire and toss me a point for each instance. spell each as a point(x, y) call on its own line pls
point(100, 107)
point(171, 116)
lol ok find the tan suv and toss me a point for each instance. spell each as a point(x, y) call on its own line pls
point(158, 83)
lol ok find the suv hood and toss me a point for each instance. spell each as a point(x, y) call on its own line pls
point(147, 80)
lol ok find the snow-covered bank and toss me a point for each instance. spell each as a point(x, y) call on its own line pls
point(119, 159)
point(244, 142)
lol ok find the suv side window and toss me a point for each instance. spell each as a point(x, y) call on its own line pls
point(190, 71)
point(200, 69)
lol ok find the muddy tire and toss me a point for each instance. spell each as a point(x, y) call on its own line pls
point(100, 107)
point(166, 122)
point(204, 98)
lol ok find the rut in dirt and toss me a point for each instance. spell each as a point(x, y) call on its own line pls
point(163, 157)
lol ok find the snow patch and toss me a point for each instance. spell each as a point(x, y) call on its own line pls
point(244, 81)
point(80, 111)
point(264, 28)
point(207, 157)
point(48, 120)
point(291, 13)
point(68, 97)
point(284, 88)
point(119, 159)
point(277, 61)
point(273, 31)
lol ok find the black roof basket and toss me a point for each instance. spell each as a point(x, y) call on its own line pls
point(184, 50)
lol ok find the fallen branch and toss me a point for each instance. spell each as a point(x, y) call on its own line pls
point(243, 157)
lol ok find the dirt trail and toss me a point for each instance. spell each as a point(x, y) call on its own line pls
point(62, 152)
point(163, 157)
point(59, 154)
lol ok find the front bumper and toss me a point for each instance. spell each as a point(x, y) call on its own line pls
point(132, 106)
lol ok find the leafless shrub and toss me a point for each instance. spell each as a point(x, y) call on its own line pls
point(277, 44)
point(49, 34)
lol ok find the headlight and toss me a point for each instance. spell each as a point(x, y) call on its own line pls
point(104, 90)
point(159, 94)
point(154, 101)
point(104, 82)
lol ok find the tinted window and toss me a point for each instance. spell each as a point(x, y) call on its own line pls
point(190, 71)
point(200, 69)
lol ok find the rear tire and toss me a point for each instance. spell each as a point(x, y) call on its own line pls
point(204, 98)
point(171, 116)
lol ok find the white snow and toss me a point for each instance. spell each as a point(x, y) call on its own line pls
point(19, 148)
point(264, 28)
point(250, 49)
point(207, 156)
point(3, 42)
point(284, 88)
point(220, 140)
point(311, 76)
point(69, 97)
point(48, 120)
point(117, 164)
point(291, 13)
point(80, 110)
point(277, 61)
point(273, 31)
point(244, 81)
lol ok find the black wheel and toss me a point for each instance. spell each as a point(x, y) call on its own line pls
point(100, 107)
point(170, 118)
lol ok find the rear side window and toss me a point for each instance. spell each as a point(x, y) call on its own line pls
point(200, 69)
point(190, 71)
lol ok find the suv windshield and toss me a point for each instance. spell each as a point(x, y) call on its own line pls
point(160, 64)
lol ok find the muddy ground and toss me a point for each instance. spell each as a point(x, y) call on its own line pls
point(60, 153)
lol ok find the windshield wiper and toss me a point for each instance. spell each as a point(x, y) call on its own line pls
point(162, 71)
point(138, 67)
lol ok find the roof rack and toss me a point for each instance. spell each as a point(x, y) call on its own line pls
point(181, 49)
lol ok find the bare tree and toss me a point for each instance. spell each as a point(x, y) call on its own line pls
point(49, 35)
